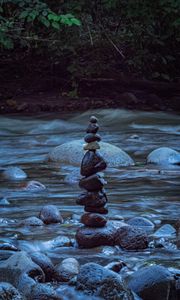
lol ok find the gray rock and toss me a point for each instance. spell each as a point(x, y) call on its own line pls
point(50, 214)
point(62, 241)
point(164, 156)
point(67, 269)
point(69, 293)
point(141, 222)
point(32, 221)
point(99, 281)
point(72, 153)
point(4, 201)
point(34, 186)
point(9, 292)
point(154, 282)
point(131, 238)
point(46, 265)
point(17, 264)
point(14, 173)
point(43, 292)
point(165, 231)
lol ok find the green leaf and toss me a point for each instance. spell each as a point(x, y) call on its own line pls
point(55, 25)
point(24, 14)
point(45, 21)
point(76, 21)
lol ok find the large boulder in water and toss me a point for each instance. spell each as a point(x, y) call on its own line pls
point(164, 156)
point(72, 153)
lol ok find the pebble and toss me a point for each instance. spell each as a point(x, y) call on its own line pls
point(91, 146)
point(93, 119)
point(93, 220)
point(50, 214)
point(92, 128)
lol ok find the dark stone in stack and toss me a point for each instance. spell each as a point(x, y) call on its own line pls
point(94, 198)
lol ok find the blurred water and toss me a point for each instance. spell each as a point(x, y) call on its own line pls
point(132, 191)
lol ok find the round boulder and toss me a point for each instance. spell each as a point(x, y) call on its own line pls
point(131, 238)
point(164, 156)
point(72, 153)
point(67, 269)
point(50, 214)
point(99, 281)
point(153, 282)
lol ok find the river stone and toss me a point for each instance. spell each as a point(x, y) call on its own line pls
point(34, 186)
point(32, 221)
point(43, 292)
point(153, 282)
point(93, 220)
point(17, 264)
point(131, 238)
point(91, 146)
point(72, 153)
point(116, 266)
point(96, 199)
point(88, 237)
point(8, 246)
point(165, 231)
point(99, 281)
point(92, 128)
point(92, 183)
point(14, 173)
point(93, 119)
point(94, 209)
point(50, 214)
point(91, 137)
point(164, 156)
point(9, 292)
point(141, 222)
point(67, 269)
point(62, 241)
point(92, 163)
point(45, 264)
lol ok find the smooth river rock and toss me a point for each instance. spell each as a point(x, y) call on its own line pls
point(92, 163)
point(50, 214)
point(154, 282)
point(93, 220)
point(96, 280)
point(97, 199)
point(164, 156)
point(14, 173)
point(72, 153)
point(67, 269)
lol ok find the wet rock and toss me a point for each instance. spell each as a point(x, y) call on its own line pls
point(164, 156)
point(116, 266)
point(96, 199)
point(153, 282)
point(9, 292)
point(99, 281)
point(46, 265)
point(131, 238)
point(8, 246)
point(90, 137)
point(91, 146)
point(62, 241)
point(4, 201)
point(19, 263)
point(88, 237)
point(98, 210)
point(43, 292)
point(165, 231)
point(72, 153)
point(50, 214)
point(67, 269)
point(25, 285)
point(32, 221)
point(93, 119)
point(92, 128)
point(93, 220)
point(141, 222)
point(92, 183)
point(14, 173)
point(92, 163)
point(69, 293)
point(34, 186)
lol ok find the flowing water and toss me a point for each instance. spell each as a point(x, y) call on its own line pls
point(141, 190)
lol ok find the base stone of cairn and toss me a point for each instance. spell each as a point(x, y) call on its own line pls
point(97, 230)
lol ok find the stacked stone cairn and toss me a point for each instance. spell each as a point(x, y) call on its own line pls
point(94, 197)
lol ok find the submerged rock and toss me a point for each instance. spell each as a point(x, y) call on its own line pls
point(9, 292)
point(14, 173)
point(96, 280)
point(32, 221)
point(154, 282)
point(72, 153)
point(50, 214)
point(34, 186)
point(164, 156)
point(165, 231)
point(141, 222)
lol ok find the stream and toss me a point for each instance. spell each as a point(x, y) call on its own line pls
point(141, 190)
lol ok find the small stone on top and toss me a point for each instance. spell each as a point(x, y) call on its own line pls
point(93, 119)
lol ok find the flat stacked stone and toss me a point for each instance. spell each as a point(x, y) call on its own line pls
point(94, 198)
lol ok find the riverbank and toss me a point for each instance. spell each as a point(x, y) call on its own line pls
point(51, 94)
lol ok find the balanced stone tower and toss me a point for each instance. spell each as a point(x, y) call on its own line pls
point(94, 197)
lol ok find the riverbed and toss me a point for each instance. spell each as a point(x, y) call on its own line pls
point(141, 190)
